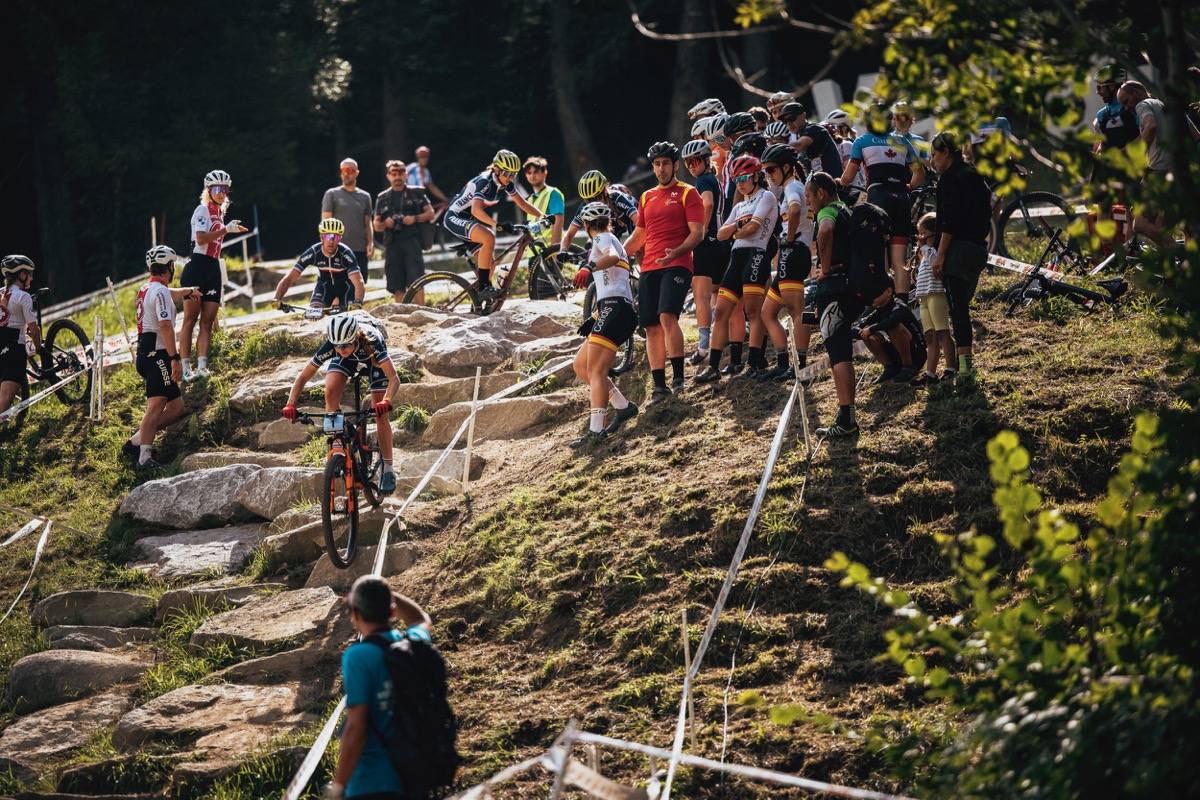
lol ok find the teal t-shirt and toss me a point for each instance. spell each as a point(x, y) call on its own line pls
point(367, 682)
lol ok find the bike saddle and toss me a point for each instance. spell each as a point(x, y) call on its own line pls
point(41, 293)
point(1115, 286)
point(460, 250)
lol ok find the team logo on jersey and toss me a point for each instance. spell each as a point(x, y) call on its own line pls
point(890, 153)
point(3, 315)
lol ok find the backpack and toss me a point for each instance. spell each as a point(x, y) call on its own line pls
point(421, 745)
point(868, 231)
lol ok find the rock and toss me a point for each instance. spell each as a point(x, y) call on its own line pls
point(190, 552)
point(280, 435)
point(223, 458)
point(231, 719)
point(503, 419)
point(95, 637)
point(199, 598)
point(286, 666)
point(405, 361)
point(414, 315)
point(555, 347)
point(52, 677)
point(49, 733)
point(296, 517)
point(17, 771)
point(411, 469)
point(264, 623)
point(398, 558)
point(191, 778)
point(484, 341)
point(93, 607)
point(101, 778)
point(267, 388)
point(568, 314)
point(435, 396)
point(270, 492)
point(306, 543)
point(203, 499)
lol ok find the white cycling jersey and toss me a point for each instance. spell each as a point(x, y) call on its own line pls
point(794, 202)
point(205, 218)
point(16, 310)
point(762, 208)
point(614, 281)
point(155, 310)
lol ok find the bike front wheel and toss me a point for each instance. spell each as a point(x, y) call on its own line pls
point(447, 291)
point(1026, 224)
point(339, 511)
point(547, 281)
point(368, 460)
point(68, 351)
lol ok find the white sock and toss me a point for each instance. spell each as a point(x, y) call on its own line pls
point(617, 399)
point(202, 362)
point(136, 439)
point(597, 420)
point(387, 465)
point(145, 454)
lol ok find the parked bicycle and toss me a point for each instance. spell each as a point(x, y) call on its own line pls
point(353, 464)
point(453, 292)
point(1039, 284)
point(67, 351)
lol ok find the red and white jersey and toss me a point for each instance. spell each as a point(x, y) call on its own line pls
point(206, 218)
point(155, 310)
point(761, 207)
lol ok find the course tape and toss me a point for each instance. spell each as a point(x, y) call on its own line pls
point(29, 528)
point(1012, 265)
point(309, 765)
point(41, 395)
point(37, 557)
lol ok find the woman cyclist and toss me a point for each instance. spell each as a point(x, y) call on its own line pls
point(339, 277)
point(203, 269)
point(710, 257)
point(782, 166)
point(594, 187)
point(18, 324)
point(468, 219)
point(750, 225)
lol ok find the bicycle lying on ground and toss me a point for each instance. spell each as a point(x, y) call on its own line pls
point(66, 352)
point(352, 464)
point(1039, 284)
point(453, 292)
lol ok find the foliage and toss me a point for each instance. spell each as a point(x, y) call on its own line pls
point(1074, 670)
point(412, 418)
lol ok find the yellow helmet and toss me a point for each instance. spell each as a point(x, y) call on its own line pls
point(331, 225)
point(507, 161)
point(591, 184)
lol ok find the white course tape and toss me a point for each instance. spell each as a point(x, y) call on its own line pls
point(29, 528)
point(1020, 267)
point(483, 790)
point(37, 557)
point(309, 765)
point(41, 395)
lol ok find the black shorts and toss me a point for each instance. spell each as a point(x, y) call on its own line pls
point(360, 258)
point(332, 286)
point(205, 272)
point(795, 263)
point(12, 358)
point(155, 367)
point(917, 353)
point(837, 313)
point(615, 322)
point(662, 291)
point(893, 198)
point(403, 263)
point(710, 258)
point(749, 272)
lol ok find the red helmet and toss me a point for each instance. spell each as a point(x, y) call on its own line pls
point(744, 165)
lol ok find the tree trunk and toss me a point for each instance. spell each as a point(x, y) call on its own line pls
point(691, 69)
point(395, 126)
point(59, 266)
point(581, 153)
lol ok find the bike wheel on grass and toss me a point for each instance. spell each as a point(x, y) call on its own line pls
point(447, 291)
point(339, 511)
point(1026, 224)
point(68, 351)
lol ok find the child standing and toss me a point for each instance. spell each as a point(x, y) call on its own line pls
point(935, 313)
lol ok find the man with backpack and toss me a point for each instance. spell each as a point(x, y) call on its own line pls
point(366, 766)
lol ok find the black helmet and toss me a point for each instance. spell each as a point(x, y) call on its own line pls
point(781, 154)
point(749, 144)
point(662, 150)
point(738, 123)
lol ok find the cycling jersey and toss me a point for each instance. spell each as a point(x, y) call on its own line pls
point(625, 213)
point(1118, 126)
point(794, 202)
point(614, 281)
point(823, 154)
point(155, 310)
point(759, 207)
point(708, 182)
point(885, 158)
point(16, 311)
point(341, 262)
point(418, 177)
point(665, 213)
point(205, 218)
point(370, 354)
point(840, 255)
point(483, 186)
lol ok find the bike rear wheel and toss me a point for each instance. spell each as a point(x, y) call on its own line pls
point(547, 280)
point(68, 352)
point(447, 291)
point(1027, 223)
point(339, 511)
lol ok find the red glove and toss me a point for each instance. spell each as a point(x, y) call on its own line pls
point(581, 277)
point(382, 408)
point(289, 413)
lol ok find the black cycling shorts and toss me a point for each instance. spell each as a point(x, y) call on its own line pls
point(616, 320)
point(749, 272)
point(403, 263)
point(837, 313)
point(795, 263)
point(350, 367)
point(917, 352)
point(205, 272)
point(155, 367)
point(662, 291)
point(893, 198)
point(12, 357)
point(710, 258)
point(332, 286)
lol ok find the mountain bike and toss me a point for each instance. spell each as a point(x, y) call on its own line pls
point(1038, 284)
point(1029, 220)
point(312, 312)
point(66, 351)
point(352, 464)
point(625, 356)
point(451, 291)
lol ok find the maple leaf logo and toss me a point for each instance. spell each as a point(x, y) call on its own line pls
point(890, 153)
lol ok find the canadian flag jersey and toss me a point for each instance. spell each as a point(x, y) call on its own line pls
point(207, 217)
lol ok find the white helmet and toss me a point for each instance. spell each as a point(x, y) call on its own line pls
point(697, 148)
point(707, 108)
point(699, 126)
point(779, 99)
point(776, 129)
point(218, 177)
point(16, 263)
point(341, 329)
point(714, 131)
point(595, 211)
point(838, 117)
point(159, 257)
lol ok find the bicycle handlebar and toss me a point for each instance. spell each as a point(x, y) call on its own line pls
point(314, 418)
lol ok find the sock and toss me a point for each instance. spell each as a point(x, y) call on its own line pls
point(714, 358)
point(136, 439)
point(761, 363)
point(755, 355)
point(931, 372)
point(705, 339)
point(845, 416)
point(965, 363)
point(387, 466)
point(801, 359)
point(660, 378)
point(735, 353)
point(202, 362)
point(145, 454)
point(596, 418)
point(485, 278)
point(782, 358)
point(677, 367)
point(617, 399)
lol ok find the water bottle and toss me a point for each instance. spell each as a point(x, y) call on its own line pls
point(501, 273)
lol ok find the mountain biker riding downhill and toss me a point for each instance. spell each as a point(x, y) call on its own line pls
point(468, 219)
point(339, 276)
point(18, 324)
point(594, 187)
point(354, 344)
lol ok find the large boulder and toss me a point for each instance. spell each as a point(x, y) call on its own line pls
point(290, 665)
point(270, 492)
point(502, 419)
point(415, 315)
point(95, 637)
point(55, 731)
point(267, 622)
point(215, 595)
point(223, 458)
point(545, 349)
point(52, 677)
point(280, 435)
point(203, 499)
point(484, 341)
point(412, 467)
point(435, 396)
point(307, 542)
point(93, 607)
point(268, 387)
point(181, 554)
point(397, 559)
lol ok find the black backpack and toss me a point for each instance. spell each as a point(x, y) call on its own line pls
point(869, 229)
point(422, 742)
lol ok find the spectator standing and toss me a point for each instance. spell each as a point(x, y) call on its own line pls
point(761, 118)
point(419, 176)
point(711, 256)
point(547, 199)
point(363, 767)
point(399, 212)
point(935, 314)
point(811, 140)
point(670, 224)
point(1116, 125)
point(1152, 128)
point(964, 212)
point(18, 324)
point(352, 206)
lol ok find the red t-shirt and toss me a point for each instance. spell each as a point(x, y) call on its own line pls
point(664, 212)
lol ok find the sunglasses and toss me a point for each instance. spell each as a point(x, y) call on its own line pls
point(789, 118)
point(349, 171)
point(331, 237)
point(396, 172)
point(694, 162)
point(506, 174)
point(769, 168)
point(742, 178)
point(218, 190)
